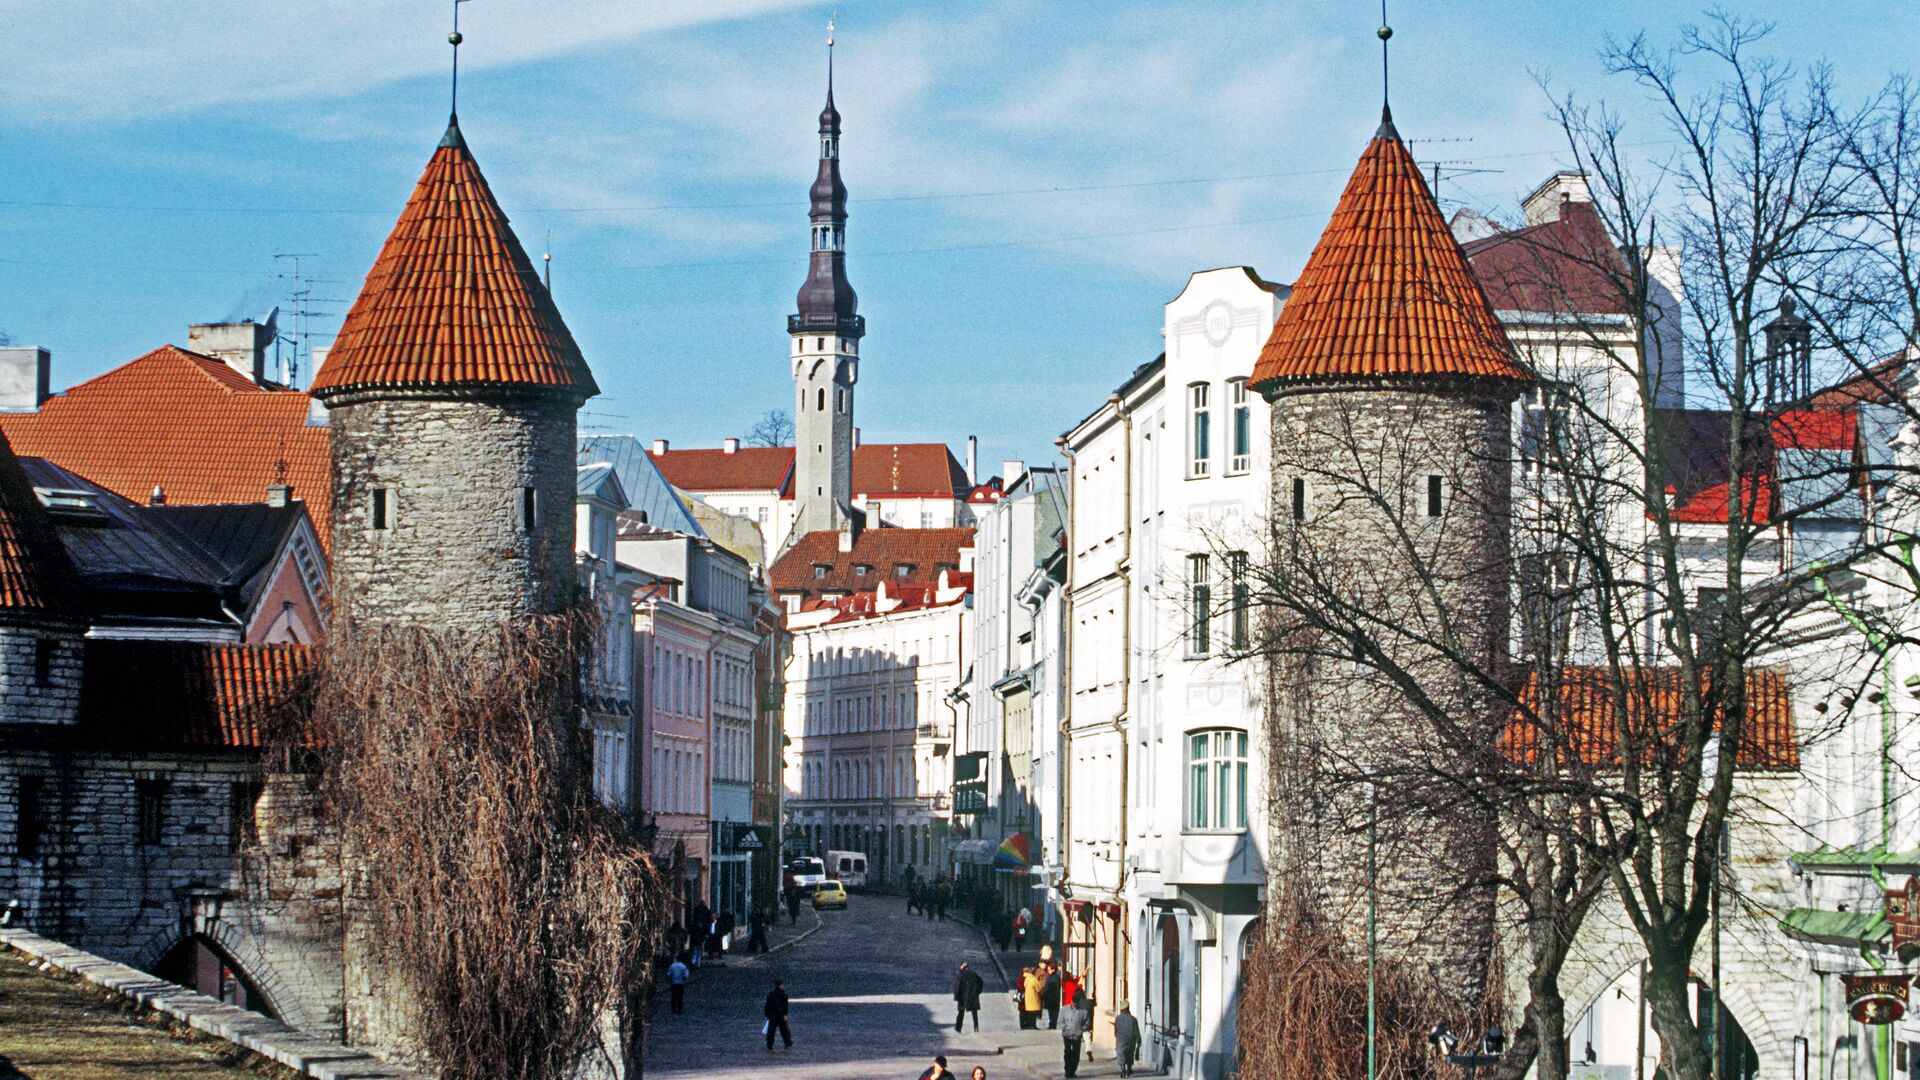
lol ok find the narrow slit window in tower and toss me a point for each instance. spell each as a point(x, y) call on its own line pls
point(821, 406)
point(1435, 491)
point(377, 511)
point(529, 509)
point(43, 661)
point(1299, 498)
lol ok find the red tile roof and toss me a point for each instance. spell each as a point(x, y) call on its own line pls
point(1387, 292)
point(185, 423)
point(35, 573)
point(1565, 266)
point(880, 470)
point(750, 468)
point(924, 551)
point(1698, 471)
point(151, 694)
point(453, 299)
point(1585, 723)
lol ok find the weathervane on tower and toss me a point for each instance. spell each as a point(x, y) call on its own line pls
point(454, 39)
point(1385, 34)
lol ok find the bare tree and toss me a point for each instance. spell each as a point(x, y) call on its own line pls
point(773, 429)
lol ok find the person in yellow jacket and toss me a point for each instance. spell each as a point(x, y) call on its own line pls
point(1030, 985)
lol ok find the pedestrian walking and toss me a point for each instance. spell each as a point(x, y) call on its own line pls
point(1073, 1030)
point(1002, 929)
point(1069, 988)
point(967, 986)
point(913, 897)
point(793, 906)
point(775, 1010)
point(938, 1070)
point(1050, 994)
point(728, 923)
point(1020, 929)
point(979, 1073)
point(942, 896)
point(757, 931)
point(677, 976)
point(1126, 1039)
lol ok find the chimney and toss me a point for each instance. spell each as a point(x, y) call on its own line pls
point(730, 446)
point(159, 496)
point(973, 461)
point(25, 373)
point(279, 494)
point(242, 346)
point(1010, 471)
point(1548, 201)
point(659, 446)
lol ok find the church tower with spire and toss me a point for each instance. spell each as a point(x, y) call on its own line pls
point(825, 331)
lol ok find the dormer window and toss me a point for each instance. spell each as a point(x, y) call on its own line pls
point(903, 570)
point(820, 570)
point(862, 569)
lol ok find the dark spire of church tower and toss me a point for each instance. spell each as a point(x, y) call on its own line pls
point(1386, 130)
point(827, 303)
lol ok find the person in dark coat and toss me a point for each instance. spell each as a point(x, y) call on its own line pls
point(938, 1070)
point(757, 931)
point(913, 897)
point(793, 906)
point(1002, 929)
point(1050, 997)
point(1126, 1039)
point(775, 1010)
point(967, 986)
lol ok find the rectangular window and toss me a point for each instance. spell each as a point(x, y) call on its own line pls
point(1241, 458)
point(1242, 595)
point(1217, 780)
point(30, 818)
point(377, 511)
point(1435, 490)
point(150, 809)
point(1200, 595)
point(242, 827)
point(1299, 498)
point(43, 661)
point(529, 509)
point(1200, 438)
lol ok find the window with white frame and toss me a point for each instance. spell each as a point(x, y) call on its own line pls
point(1200, 600)
point(1217, 780)
point(1240, 457)
point(1199, 429)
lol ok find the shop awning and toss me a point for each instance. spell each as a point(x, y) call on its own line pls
point(974, 852)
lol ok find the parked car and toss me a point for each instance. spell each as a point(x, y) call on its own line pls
point(805, 873)
point(830, 894)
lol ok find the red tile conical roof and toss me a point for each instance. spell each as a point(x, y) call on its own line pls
point(453, 300)
point(1387, 293)
point(35, 573)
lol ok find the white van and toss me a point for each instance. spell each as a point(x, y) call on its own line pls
point(848, 867)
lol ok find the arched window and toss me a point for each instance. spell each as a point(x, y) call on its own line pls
point(822, 405)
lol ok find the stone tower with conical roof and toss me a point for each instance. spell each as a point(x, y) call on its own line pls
point(452, 390)
point(41, 628)
point(1392, 385)
point(825, 330)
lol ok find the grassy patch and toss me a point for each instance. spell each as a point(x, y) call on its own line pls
point(57, 1028)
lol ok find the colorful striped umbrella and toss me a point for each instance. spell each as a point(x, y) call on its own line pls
point(1014, 853)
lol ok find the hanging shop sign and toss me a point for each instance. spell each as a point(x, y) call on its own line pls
point(1875, 999)
point(1903, 918)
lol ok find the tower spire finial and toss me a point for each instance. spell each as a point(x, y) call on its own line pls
point(452, 137)
point(1385, 33)
point(831, 20)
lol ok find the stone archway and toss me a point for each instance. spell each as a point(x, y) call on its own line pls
point(204, 918)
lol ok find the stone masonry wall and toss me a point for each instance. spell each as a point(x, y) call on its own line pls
point(29, 694)
point(455, 552)
point(94, 882)
point(1364, 534)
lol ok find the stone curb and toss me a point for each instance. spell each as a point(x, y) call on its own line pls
point(306, 1054)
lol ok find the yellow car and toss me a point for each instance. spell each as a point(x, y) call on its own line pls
point(830, 894)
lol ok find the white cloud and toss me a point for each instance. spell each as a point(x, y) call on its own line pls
point(117, 60)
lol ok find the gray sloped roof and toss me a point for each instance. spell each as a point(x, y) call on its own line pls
point(647, 491)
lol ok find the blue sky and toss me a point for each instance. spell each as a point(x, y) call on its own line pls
point(1029, 182)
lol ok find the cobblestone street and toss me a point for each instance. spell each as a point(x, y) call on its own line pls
point(872, 996)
